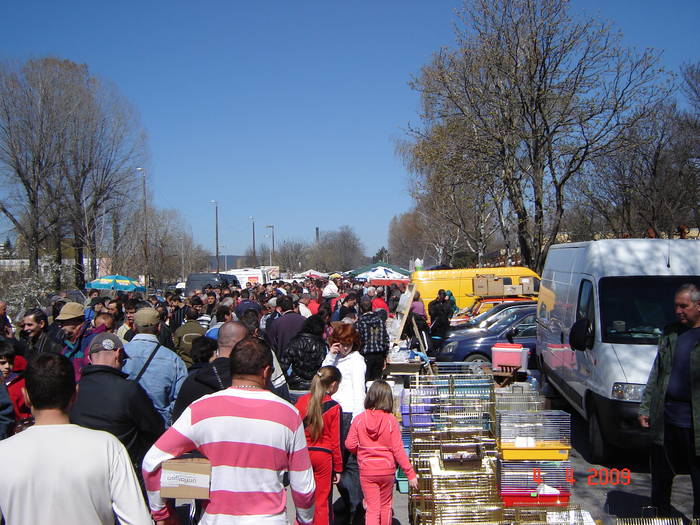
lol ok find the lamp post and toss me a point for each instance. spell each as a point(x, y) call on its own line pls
point(216, 229)
point(272, 228)
point(255, 257)
point(145, 228)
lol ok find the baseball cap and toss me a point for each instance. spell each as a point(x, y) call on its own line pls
point(147, 317)
point(71, 311)
point(105, 341)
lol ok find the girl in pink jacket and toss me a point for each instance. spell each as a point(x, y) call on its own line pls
point(375, 437)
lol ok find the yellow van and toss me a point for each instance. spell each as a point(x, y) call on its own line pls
point(460, 282)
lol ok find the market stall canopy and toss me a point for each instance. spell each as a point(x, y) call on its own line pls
point(116, 282)
point(310, 273)
point(380, 270)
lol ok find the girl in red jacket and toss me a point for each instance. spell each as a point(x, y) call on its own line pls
point(375, 437)
point(322, 418)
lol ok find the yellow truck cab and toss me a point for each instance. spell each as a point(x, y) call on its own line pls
point(461, 283)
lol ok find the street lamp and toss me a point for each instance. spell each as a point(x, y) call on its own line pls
point(255, 258)
point(145, 227)
point(272, 228)
point(216, 229)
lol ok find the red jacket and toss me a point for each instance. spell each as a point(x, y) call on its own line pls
point(14, 389)
point(330, 437)
point(379, 303)
point(375, 437)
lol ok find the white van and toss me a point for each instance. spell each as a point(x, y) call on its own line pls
point(602, 307)
point(248, 275)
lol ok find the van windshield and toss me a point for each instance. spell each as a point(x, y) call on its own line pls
point(634, 310)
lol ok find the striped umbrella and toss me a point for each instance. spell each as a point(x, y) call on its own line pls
point(116, 282)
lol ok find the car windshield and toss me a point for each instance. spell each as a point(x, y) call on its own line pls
point(634, 310)
point(508, 319)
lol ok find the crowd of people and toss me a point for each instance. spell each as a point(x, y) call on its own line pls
point(219, 373)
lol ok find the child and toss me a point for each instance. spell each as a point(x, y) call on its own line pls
point(376, 439)
point(322, 418)
point(13, 381)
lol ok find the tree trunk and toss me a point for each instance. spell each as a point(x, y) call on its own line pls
point(78, 246)
point(58, 260)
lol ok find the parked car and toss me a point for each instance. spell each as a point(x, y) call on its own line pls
point(489, 317)
point(517, 327)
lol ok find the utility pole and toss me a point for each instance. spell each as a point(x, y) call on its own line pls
point(272, 253)
point(145, 229)
point(255, 257)
point(216, 229)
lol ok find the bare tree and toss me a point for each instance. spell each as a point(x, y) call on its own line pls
point(545, 95)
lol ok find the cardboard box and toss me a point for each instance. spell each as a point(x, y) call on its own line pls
point(480, 285)
point(528, 284)
point(512, 289)
point(495, 286)
point(185, 478)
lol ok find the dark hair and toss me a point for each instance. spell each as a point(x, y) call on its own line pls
point(202, 349)
point(196, 301)
point(211, 294)
point(249, 356)
point(56, 308)
point(131, 304)
point(50, 381)
point(105, 315)
point(325, 310)
point(314, 325)
point(345, 333)
point(38, 314)
point(379, 397)
point(365, 304)
point(251, 320)
point(7, 351)
point(221, 312)
point(285, 303)
point(245, 294)
point(191, 314)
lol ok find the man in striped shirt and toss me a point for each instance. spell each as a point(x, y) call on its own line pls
point(251, 437)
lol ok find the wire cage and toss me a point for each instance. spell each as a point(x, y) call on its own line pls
point(521, 401)
point(543, 435)
point(535, 483)
point(570, 515)
point(651, 521)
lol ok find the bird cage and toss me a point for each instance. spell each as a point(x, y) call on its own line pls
point(544, 435)
point(535, 483)
point(519, 400)
point(571, 515)
point(650, 521)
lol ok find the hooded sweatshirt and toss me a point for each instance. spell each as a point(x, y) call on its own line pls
point(376, 439)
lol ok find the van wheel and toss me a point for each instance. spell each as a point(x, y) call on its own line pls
point(600, 449)
point(477, 358)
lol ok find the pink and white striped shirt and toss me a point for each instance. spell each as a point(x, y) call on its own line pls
point(251, 437)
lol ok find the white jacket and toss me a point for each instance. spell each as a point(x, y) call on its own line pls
point(351, 391)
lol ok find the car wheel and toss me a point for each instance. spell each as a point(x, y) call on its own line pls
point(477, 358)
point(600, 449)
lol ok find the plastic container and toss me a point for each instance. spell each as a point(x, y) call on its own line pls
point(510, 355)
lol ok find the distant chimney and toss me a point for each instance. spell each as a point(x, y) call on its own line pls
point(318, 235)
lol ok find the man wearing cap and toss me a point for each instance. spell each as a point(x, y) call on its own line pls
point(108, 401)
point(156, 368)
point(77, 335)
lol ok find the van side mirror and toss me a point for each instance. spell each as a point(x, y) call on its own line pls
point(580, 335)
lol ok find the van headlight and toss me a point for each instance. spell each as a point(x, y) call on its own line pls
point(627, 391)
point(450, 347)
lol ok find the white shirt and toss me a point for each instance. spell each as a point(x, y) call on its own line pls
point(69, 474)
point(351, 391)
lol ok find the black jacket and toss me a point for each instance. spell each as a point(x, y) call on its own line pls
point(211, 378)
point(108, 401)
point(304, 354)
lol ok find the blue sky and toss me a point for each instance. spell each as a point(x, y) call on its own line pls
point(286, 111)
